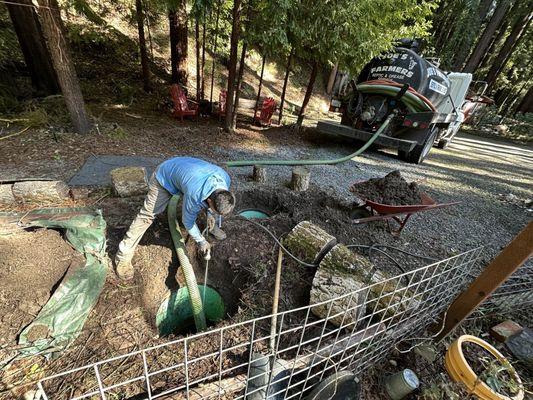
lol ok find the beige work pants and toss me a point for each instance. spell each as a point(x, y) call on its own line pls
point(155, 203)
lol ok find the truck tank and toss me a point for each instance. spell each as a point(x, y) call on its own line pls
point(405, 66)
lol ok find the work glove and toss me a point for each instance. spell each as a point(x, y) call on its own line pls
point(211, 221)
point(204, 247)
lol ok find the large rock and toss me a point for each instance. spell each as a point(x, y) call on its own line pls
point(40, 191)
point(129, 181)
point(6, 194)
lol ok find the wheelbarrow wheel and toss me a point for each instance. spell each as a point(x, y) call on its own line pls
point(419, 153)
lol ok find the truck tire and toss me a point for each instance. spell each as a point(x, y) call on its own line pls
point(443, 143)
point(419, 153)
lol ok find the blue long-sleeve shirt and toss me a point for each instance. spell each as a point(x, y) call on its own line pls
point(194, 180)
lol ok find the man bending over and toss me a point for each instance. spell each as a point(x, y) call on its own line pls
point(202, 185)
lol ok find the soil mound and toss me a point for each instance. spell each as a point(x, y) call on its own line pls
point(32, 264)
point(392, 189)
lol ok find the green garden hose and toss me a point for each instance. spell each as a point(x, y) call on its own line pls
point(315, 162)
point(188, 272)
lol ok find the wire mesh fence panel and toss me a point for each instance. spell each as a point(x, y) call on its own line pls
point(247, 360)
point(515, 294)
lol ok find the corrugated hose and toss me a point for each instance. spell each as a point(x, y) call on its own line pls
point(188, 272)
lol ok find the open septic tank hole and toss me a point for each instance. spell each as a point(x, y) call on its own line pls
point(175, 314)
point(240, 276)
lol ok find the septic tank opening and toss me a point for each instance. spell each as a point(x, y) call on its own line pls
point(252, 213)
point(175, 314)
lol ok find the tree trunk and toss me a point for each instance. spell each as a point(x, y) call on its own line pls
point(202, 69)
point(484, 8)
point(178, 43)
point(309, 242)
point(257, 99)
point(215, 51)
point(285, 81)
point(342, 271)
point(198, 60)
point(486, 38)
point(142, 46)
point(517, 33)
point(500, 35)
point(40, 191)
point(331, 80)
point(232, 69)
point(36, 55)
point(308, 93)
point(52, 28)
point(526, 105)
point(238, 85)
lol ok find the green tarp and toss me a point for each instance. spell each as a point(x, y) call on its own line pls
point(62, 318)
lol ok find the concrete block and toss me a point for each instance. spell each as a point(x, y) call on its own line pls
point(129, 181)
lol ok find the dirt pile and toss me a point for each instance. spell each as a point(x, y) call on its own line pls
point(392, 189)
point(32, 264)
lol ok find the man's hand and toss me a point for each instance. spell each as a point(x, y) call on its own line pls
point(204, 247)
point(211, 222)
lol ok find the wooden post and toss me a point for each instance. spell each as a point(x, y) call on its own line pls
point(300, 179)
point(498, 271)
point(260, 174)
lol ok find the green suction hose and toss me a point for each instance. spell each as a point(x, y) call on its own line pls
point(411, 101)
point(315, 162)
point(190, 278)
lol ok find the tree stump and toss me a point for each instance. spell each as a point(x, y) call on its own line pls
point(309, 242)
point(343, 271)
point(300, 179)
point(260, 174)
point(6, 194)
point(40, 191)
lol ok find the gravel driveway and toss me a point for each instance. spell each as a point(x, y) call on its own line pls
point(479, 172)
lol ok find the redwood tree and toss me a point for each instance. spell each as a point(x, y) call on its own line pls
point(145, 70)
point(232, 68)
point(242, 66)
point(517, 33)
point(308, 93)
point(57, 45)
point(177, 18)
point(487, 37)
point(33, 46)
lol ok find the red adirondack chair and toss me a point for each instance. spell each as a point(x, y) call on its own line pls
point(221, 111)
point(267, 110)
point(182, 106)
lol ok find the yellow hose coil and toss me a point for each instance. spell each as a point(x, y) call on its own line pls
point(459, 370)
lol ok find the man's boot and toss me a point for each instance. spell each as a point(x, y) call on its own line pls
point(124, 269)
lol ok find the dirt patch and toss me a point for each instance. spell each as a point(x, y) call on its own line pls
point(392, 189)
point(490, 370)
point(32, 264)
point(241, 270)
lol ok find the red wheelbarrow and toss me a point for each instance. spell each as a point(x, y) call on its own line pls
point(400, 214)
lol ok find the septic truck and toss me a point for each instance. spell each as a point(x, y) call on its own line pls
point(427, 104)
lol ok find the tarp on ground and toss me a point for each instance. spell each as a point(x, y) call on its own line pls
point(62, 318)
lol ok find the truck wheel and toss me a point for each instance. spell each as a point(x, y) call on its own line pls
point(421, 150)
point(443, 143)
